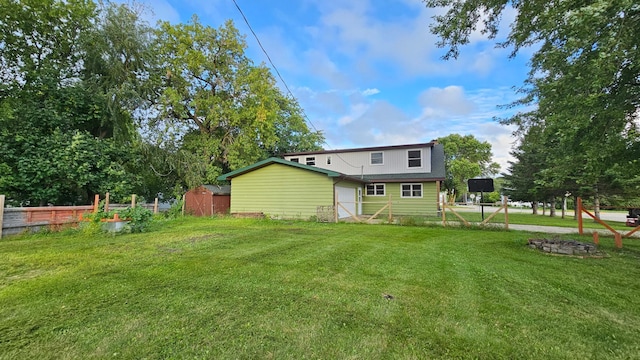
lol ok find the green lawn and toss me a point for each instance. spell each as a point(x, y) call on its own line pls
point(254, 289)
point(530, 219)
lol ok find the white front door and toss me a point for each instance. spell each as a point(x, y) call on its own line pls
point(347, 199)
point(359, 201)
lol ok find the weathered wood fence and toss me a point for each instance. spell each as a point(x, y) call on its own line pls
point(504, 207)
point(21, 219)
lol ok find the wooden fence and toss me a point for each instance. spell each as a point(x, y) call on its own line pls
point(617, 235)
point(362, 218)
point(504, 207)
point(21, 219)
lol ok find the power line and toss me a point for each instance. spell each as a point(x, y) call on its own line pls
point(271, 62)
point(282, 79)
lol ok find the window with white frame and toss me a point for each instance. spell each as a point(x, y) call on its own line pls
point(414, 158)
point(375, 189)
point(311, 160)
point(377, 158)
point(411, 190)
point(294, 160)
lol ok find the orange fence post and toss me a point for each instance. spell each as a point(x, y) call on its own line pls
point(618, 240)
point(596, 238)
point(579, 213)
point(96, 203)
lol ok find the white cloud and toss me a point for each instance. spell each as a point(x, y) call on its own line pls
point(353, 31)
point(484, 63)
point(356, 112)
point(318, 64)
point(369, 92)
point(445, 102)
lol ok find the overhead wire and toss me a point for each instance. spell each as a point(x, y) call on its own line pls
point(284, 82)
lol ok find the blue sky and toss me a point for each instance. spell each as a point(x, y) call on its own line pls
point(368, 72)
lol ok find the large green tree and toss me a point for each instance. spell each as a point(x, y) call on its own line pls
point(65, 132)
point(465, 158)
point(226, 110)
point(584, 80)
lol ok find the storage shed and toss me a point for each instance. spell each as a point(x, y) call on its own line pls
point(207, 200)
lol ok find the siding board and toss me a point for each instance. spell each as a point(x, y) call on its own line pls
point(425, 206)
point(281, 191)
point(358, 162)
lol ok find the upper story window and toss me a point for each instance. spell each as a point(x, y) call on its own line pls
point(414, 158)
point(311, 160)
point(328, 159)
point(294, 160)
point(377, 158)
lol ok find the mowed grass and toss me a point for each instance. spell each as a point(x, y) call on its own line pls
point(247, 289)
point(530, 219)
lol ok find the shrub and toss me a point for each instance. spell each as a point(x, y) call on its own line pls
point(138, 217)
point(175, 210)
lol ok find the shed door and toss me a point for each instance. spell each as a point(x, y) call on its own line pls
point(346, 198)
point(206, 205)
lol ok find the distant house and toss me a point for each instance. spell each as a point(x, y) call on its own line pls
point(356, 181)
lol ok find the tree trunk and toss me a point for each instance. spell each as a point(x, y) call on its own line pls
point(544, 208)
point(534, 207)
point(564, 206)
point(575, 208)
point(596, 204)
point(552, 207)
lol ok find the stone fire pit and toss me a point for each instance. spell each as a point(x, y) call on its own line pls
point(565, 247)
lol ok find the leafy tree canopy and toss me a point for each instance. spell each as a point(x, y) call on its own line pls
point(584, 83)
point(465, 158)
point(232, 111)
point(93, 99)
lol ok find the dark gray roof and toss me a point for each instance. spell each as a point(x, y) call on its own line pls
point(219, 189)
point(391, 147)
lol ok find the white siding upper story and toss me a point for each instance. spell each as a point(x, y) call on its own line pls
point(372, 161)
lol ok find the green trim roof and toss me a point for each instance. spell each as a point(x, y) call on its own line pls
point(273, 160)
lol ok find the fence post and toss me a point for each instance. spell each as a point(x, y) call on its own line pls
point(444, 210)
point(1, 213)
point(96, 203)
point(506, 212)
point(596, 238)
point(133, 200)
point(579, 212)
point(618, 240)
point(183, 203)
point(106, 202)
point(335, 205)
point(155, 206)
